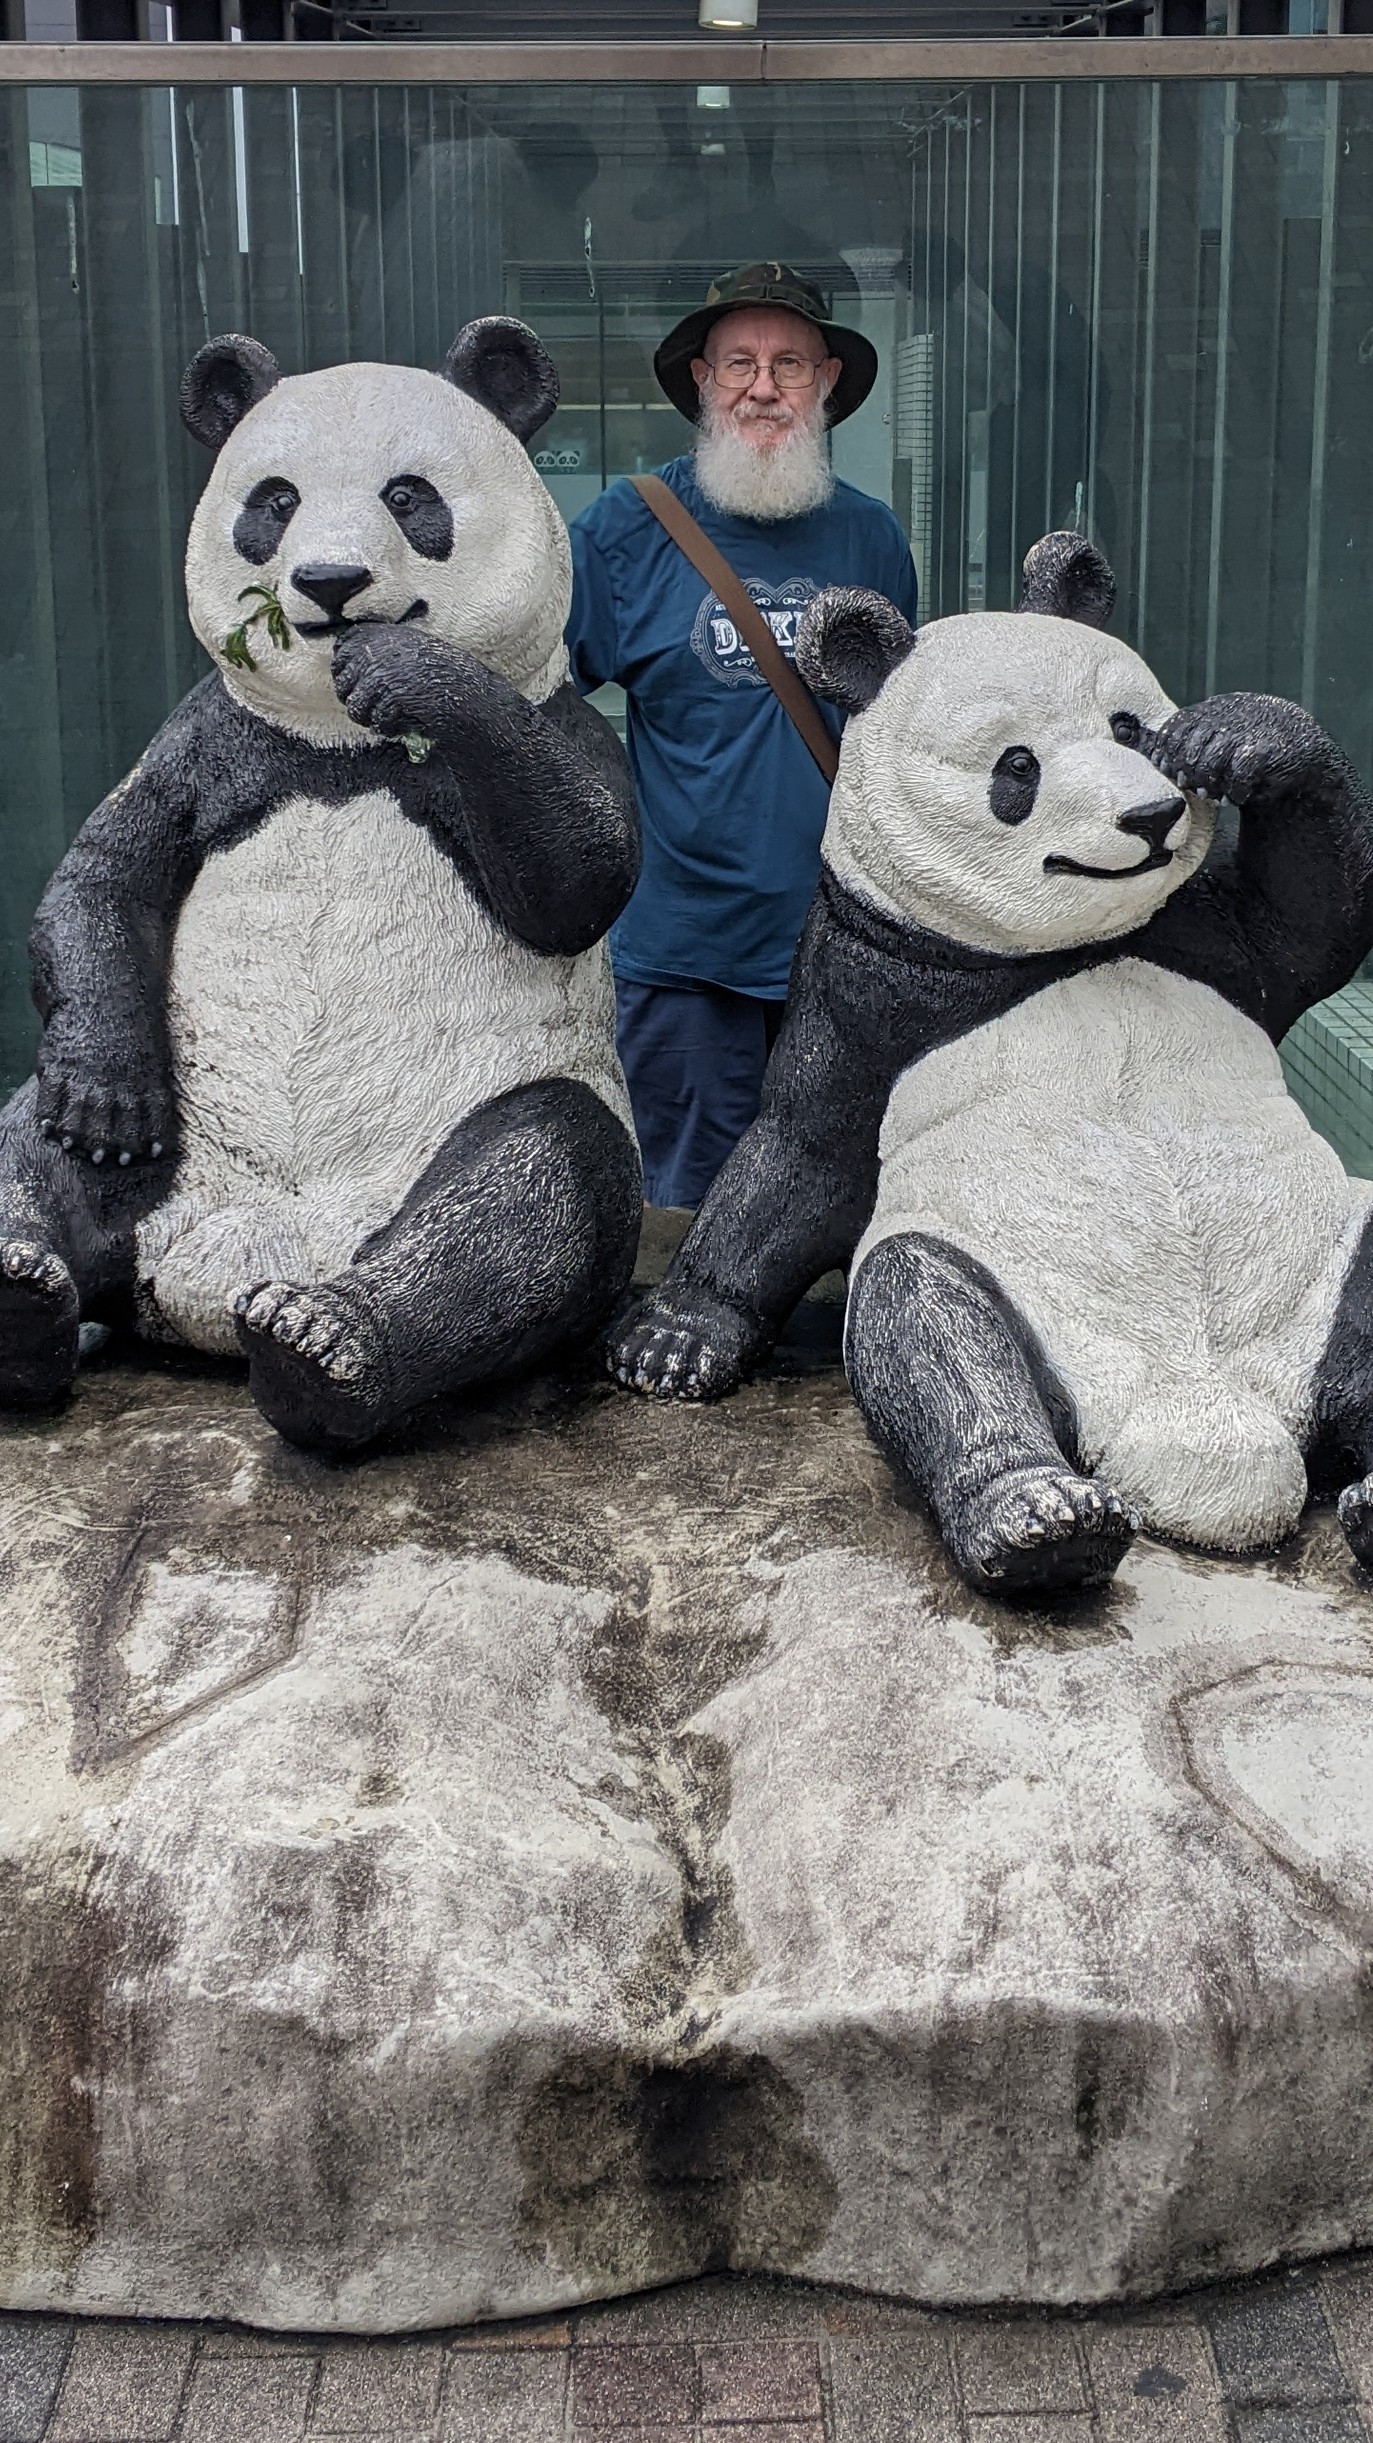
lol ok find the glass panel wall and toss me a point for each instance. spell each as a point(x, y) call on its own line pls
point(1142, 310)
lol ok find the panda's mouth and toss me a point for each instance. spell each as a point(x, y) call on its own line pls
point(364, 619)
point(1151, 864)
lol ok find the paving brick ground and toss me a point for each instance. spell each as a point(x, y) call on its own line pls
point(1288, 2359)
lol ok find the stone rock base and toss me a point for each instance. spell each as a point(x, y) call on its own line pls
point(599, 1843)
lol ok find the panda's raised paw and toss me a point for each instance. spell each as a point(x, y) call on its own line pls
point(1039, 1528)
point(696, 1353)
point(397, 681)
point(316, 1366)
point(102, 1119)
point(1240, 747)
point(40, 1322)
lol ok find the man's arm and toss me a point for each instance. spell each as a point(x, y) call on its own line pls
point(901, 586)
point(543, 798)
point(99, 953)
point(1289, 918)
point(593, 627)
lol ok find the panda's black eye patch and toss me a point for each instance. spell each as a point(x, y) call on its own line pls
point(422, 514)
point(264, 518)
point(1126, 728)
point(1015, 778)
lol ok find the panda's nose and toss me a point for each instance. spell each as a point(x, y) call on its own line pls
point(1153, 823)
point(330, 584)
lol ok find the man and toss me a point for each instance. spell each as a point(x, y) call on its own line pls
point(733, 803)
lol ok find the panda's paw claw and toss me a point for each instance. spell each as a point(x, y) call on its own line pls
point(1040, 1528)
point(696, 1354)
point(40, 1321)
point(317, 1362)
point(101, 1110)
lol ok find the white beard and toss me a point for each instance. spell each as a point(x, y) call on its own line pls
point(789, 479)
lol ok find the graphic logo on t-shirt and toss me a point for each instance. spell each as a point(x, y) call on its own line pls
point(717, 642)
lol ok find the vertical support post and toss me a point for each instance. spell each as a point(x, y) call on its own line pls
point(31, 801)
point(138, 592)
point(977, 333)
point(360, 199)
point(1034, 348)
point(275, 307)
point(1070, 336)
point(1003, 197)
point(1248, 357)
point(327, 337)
point(948, 457)
point(1122, 304)
point(395, 259)
point(1339, 610)
point(1172, 549)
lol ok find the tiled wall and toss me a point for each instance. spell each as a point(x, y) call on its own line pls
point(1328, 1058)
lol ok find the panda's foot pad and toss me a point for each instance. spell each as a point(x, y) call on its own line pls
point(1356, 1518)
point(316, 1364)
point(696, 1351)
point(1042, 1527)
point(40, 1323)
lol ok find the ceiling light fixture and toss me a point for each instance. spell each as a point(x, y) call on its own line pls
point(728, 16)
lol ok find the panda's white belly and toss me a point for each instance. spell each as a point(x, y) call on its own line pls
point(1121, 1151)
point(338, 1002)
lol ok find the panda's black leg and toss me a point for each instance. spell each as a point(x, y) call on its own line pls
point(958, 1392)
point(1341, 1443)
point(66, 1243)
point(518, 1240)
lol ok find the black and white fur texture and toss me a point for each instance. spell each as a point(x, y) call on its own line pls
point(327, 1069)
point(1102, 1271)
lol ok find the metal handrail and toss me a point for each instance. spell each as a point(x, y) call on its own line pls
point(984, 60)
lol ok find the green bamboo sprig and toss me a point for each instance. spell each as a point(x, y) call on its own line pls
point(236, 652)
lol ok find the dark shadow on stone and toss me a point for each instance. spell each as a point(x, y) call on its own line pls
point(73, 2020)
point(641, 2171)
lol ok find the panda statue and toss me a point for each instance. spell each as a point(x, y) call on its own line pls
point(1102, 1270)
point(327, 1071)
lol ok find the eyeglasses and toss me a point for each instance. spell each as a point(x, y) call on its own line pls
point(788, 372)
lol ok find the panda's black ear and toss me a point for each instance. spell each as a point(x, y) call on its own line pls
point(848, 644)
point(1066, 577)
point(506, 366)
point(221, 383)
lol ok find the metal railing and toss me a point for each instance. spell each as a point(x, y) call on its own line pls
point(986, 60)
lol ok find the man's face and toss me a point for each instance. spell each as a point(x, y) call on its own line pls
point(738, 375)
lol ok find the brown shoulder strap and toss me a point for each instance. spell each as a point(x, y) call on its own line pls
point(790, 690)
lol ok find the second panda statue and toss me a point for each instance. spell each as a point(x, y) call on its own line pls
point(328, 1069)
point(1103, 1271)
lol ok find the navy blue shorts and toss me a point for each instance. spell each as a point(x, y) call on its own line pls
point(694, 1056)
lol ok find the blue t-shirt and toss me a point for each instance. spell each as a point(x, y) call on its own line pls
point(733, 805)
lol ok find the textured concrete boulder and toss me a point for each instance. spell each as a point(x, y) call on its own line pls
point(602, 1842)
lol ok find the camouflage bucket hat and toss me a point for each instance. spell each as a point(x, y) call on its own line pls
point(765, 284)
